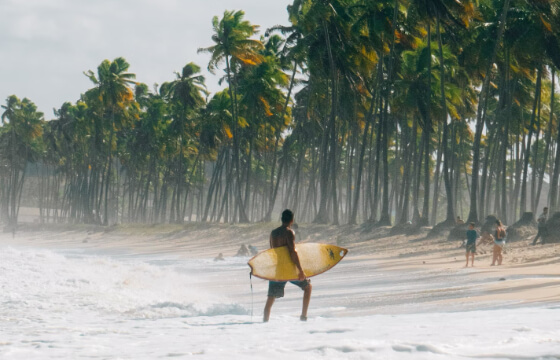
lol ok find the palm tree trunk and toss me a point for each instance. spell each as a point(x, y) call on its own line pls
point(523, 204)
point(554, 183)
point(473, 212)
point(548, 144)
point(450, 219)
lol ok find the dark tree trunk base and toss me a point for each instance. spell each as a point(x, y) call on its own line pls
point(406, 229)
point(551, 230)
point(489, 224)
point(441, 228)
point(459, 232)
point(522, 229)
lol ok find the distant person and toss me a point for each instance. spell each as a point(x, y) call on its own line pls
point(253, 250)
point(243, 251)
point(472, 235)
point(541, 224)
point(285, 236)
point(219, 257)
point(459, 221)
point(499, 243)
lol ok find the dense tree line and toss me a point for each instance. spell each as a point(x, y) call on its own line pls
point(386, 112)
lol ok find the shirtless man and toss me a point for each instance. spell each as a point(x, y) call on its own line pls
point(284, 236)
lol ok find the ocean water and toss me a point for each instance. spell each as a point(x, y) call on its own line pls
point(68, 304)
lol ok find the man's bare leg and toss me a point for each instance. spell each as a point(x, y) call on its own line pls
point(306, 300)
point(267, 307)
point(472, 259)
point(467, 264)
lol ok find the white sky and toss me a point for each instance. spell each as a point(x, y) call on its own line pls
point(46, 45)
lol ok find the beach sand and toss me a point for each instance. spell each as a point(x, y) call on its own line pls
point(147, 292)
point(529, 274)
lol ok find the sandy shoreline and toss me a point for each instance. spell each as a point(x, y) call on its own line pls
point(529, 274)
point(150, 292)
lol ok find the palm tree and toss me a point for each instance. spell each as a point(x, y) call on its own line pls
point(187, 95)
point(20, 143)
point(114, 91)
point(234, 47)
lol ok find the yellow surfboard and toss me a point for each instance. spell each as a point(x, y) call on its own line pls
point(276, 264)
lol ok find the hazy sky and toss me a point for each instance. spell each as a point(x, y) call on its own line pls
point(46, 45)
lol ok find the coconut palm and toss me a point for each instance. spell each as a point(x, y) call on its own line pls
point(113, 89)
point(20, 144)
point(187, 96)
point(234, 46)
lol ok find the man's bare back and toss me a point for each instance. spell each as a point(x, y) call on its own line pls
point(282, 236)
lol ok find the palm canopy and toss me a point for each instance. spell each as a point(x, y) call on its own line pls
point(232, 39)
point(188, 89)
point(113, 81)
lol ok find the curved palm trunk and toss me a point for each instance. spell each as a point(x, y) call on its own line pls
point(233, 94)
point(523, 203)
point(329, 175)
point(427, 131)
point(370, 120)
point(556, 173)
point(548, 143)
point(450, 218)
point(108, 178)
point(268, 215)
point(385, 218)
point(473, 212)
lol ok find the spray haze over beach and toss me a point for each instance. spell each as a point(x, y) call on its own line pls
point(421, 136)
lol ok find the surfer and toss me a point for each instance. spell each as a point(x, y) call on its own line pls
point(243, 251)
point(284, 236)
point(253, 249)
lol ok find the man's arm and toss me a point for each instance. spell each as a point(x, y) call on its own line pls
point(294, 255)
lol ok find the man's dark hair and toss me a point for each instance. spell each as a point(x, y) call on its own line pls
point(287, 216)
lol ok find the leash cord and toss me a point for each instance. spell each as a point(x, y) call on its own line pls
point(252, 303)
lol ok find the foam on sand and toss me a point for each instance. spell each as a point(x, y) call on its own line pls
point(145, 300)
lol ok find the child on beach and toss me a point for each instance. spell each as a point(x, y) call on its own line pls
point(472, 235)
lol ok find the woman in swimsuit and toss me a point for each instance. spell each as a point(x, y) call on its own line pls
point(499, 242)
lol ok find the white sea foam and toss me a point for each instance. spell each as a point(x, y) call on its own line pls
point(54, 283)
point(70, 305)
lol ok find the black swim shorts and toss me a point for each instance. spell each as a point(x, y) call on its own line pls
point(276, 288)
point(471, 248)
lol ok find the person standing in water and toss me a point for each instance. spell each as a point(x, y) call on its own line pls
point(285, 236)
point(472, 235)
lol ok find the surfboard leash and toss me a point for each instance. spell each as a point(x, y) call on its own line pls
point(251, 282)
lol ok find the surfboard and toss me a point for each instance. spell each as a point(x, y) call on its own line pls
point(276, 264)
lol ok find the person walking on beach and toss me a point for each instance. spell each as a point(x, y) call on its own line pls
point(499, 242)
point(285, 236)
point(541, 226)
point(472, 235)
